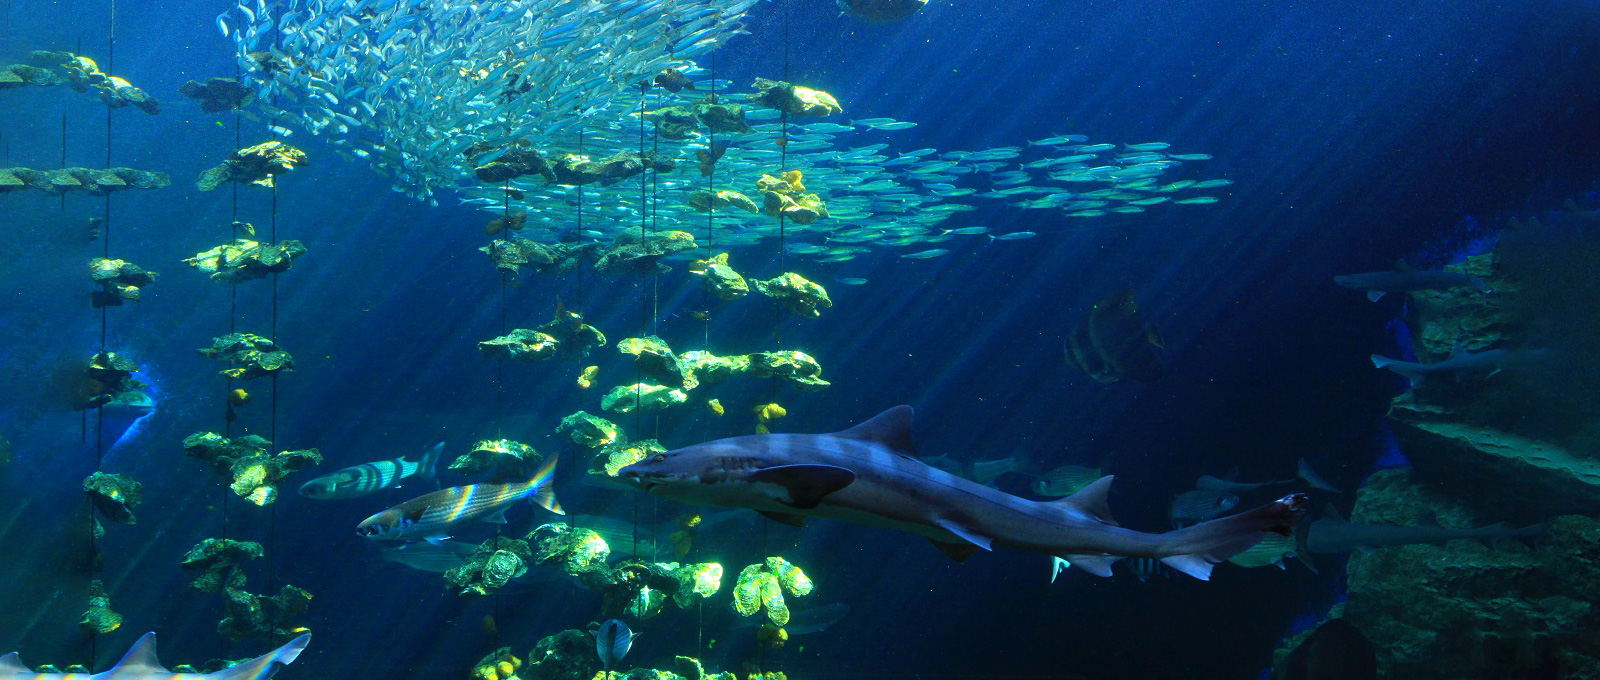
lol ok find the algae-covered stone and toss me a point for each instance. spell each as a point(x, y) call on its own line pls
point(577, 338)
point(99, 619)
point(491, 566)
point(521, 344)
point(674, 122)
point(705, 201)
point(723, 119)
point(612, 458)
point(510, 255)
point(257, 165)
point(114, 496)
point(218, 560)
point(635, 254)
point(253, 471)
point(517, 160)
point(589, 431)
point(567, 655)
point(642, 396)
point(268, 618)
point(218, 94)
point(576, 550)
point(508, 460)
point(798, 293)
point(251, 356)
point(720, 278)
point(708, 366)
point(655, 359)
point(576, 169)
point(792, 366)
point(118, 280)
point(244, 259)
point(794, 99)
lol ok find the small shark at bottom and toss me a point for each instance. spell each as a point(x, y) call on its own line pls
point(140, 663)
point(869, 475)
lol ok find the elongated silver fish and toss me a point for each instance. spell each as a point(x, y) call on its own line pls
point(433, 517)
point(140, 663)
point(370, 478)
point(869, 475)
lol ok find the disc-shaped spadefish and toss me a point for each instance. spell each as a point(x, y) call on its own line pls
point(881, 10)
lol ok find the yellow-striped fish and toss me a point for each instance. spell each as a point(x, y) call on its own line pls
point(434, 516)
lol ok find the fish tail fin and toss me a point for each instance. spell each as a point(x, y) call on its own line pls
point(1195, 550)
point(1404, 369)
point(544, 492)
point(428, 466)
point(266, 665)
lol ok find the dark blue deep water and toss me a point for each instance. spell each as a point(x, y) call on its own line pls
point(1355, 133)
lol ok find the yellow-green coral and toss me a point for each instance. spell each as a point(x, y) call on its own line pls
point(644, 396)
point(589, 431)
point(499, 665)
point(800, 294)
point(762, 585)
point(610, 459)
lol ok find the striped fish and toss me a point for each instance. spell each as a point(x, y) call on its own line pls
point(140, 663)
point(434, 516)
point(369, 478)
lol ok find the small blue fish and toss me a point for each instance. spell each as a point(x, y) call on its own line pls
point(612, 642)
point(925, 254)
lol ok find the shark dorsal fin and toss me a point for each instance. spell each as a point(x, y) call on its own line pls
point(892, 429)
point(1090, 502)
point(141, 657)
point(1331, 515)
point(12, 664)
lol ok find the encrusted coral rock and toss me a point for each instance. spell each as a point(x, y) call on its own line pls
point(655, 360)
point(500, 665)
point(762, 585)
point(722, 118)
point(794, 99)
point(99, 619)
point(118, 281)
point(575, 550)
point(576, 337)
point(705, 201)
point(218, 560)
point(268, 618)
point(612, 458)
point(720, 278)
point(246, 461)
point(508, 460)
point(589, 431)
point(510, 255)
point(797, 292)
point(114, 496)
point(83, 74)
point(642, 396)
point(491, 566)
point(95, 182)
point(110, 377)
point(708, 366)
point(218, 94)
point(518, 160)
point(254, 165)
point(521, 344)
point(567, 655)
point(634, 254)
point(251, 356)
point(575, 169)
point(792, 366)
point(244, 259)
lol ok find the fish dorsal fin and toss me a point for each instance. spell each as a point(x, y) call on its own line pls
point(141, 657)
point(1090, 502)
point(12, 664)
point(1331, 515)
point(892, 429)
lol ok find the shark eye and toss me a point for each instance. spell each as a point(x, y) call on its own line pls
point(660, 457)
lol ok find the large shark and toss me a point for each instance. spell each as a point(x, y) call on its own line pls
point(1331, 533)
point(140, 663)
point(1407, 280)
point(869, 474)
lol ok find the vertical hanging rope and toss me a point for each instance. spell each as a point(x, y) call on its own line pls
point(272, 422)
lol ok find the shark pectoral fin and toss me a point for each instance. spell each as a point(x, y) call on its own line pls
point(1374, 295)
point(141, 657)
point(892, 429)
point(1193, 564)
point(1099, 565)
point(955, 551)
point(436, 540)
point(971, 537)
point(1090, 502)
point(1057, 565)
point(806, 485)
point(496, 517)
point(788, 518)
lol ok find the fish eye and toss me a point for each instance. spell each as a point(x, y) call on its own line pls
point(660, 457)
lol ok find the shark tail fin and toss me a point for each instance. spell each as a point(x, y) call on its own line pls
point(1195, 550)
point(1405, 369)
point(264, 666)
point(428, 466)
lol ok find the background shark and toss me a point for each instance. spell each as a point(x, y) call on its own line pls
point(869, 475)
point(1331, 533)
point(140, 663)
